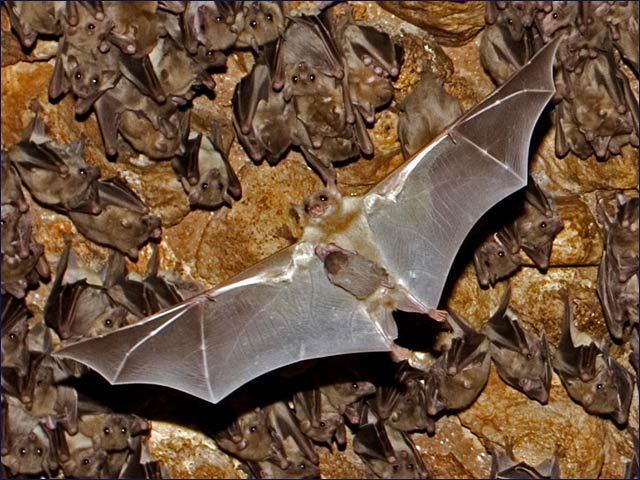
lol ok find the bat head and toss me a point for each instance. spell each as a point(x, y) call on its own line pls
point(561, 15)
point(219, 25)
point(89, 30)
point(89, 78)
point(536, 231)
point(304, 79)
point(85, 463)
point(263, 23)
point(28, 454)
point(495, 260)
point(322, 204)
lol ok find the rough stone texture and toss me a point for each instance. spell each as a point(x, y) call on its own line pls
point(452, 23)
point(213, 246)
point(502, 413)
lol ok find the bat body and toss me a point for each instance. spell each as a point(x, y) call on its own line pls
point(388, 453)
point(618, 271)
point(11, 190)
point(505, 465)
point(403, 403)
point(458, 376)
point(14, 333)
point(521, 358)
point(124, 221)
point(263, 23)
point(285, 309)
point(320, 420)
point(424, 113)
point(591, 377)
point(56, 175)
point(206, 174)
point(537, 225)
point(112, 431)
point(77, 308)
point(497, 257)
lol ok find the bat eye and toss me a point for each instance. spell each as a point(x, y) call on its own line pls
point(410, 466)
point(500, 253)
point(355, 386)
point(124, 430)
point(94, 81)
point(323, 198)
point(312, 77)
point(12, 336)
point(322, 424)
point(253, 429)
point(543, 224)
point(85, 461)
point(204, 186)
point(210, 53)
point(39, 451)
point(23, 451)
point(269, 17)
point(253, 24)
point(78, 76)
point(218, 19)
point(396, 468)
point(91, 26)
point(529, 356)
point(600, 386)
point(82, 172)
point(108, 322)
point(302, 466)
point(294, 79)
point(510, 22)
point(106, 430)
point(554, 15)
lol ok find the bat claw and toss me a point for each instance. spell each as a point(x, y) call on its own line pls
point(438, 315)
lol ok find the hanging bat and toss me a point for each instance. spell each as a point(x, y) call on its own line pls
point(538, 225)
point(285, 309)
point(388, 453)
point(504, 465)
point(497, 257)
point(424, 113)
point(210, 25)
point(57, 175)
point(591, 377)
point(78, 308)
point(11, 190)
point(15, 315)
point(124, 222)
point(112, 431)
point(205, 172)
point(319, 419)
point(521, 358)
point(263, 23)
point(371, 59)
point(618, 272)
point(458, 376)
point(402, 404)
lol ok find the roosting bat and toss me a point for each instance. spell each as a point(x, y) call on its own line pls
point(285, 309)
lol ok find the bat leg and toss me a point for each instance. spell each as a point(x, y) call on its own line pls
point(399, 354)
point(327, 172)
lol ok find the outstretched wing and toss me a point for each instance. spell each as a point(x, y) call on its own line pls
point(281, 311)
point(435, 198)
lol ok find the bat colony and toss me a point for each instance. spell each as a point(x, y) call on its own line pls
point(315, 87)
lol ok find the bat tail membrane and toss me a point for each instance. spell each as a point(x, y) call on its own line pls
point(437, 196)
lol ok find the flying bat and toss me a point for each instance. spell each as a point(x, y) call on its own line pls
point(285, 309)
